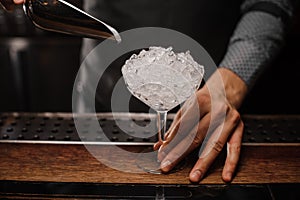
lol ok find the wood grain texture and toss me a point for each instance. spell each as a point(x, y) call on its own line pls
point(74, 163)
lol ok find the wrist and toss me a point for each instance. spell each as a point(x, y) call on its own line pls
point(227, 84)
point(235, 88)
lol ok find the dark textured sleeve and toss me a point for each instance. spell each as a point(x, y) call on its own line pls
point(257, 38)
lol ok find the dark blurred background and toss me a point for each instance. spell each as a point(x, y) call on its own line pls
point(38, 68)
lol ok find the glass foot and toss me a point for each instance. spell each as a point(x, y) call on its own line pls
point(147, 161)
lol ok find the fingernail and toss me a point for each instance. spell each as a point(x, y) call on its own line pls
point(229, 175)
point(165, 164)
point(196, 175)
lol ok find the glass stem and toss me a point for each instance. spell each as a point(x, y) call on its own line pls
point(162, 125)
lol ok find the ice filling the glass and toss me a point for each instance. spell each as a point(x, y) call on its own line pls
point(161, 78)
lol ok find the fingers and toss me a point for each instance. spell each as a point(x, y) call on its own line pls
point(233, 153)
point(184, 121)
point(185, 142)
point(172, 154)
point(186, 118)
point(182, 136)
point(173, 129)
point(214, 146)
point(211, 151)
point(217, 127)
point(174, 123)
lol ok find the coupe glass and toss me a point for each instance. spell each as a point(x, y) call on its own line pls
point(162, 79)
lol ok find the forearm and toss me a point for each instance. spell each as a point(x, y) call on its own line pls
point(257, 39)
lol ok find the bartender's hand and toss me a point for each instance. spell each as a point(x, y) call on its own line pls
point(187, 131)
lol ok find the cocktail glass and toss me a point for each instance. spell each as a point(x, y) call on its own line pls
point(162, 79)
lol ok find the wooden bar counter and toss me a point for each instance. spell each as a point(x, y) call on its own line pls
point(36, 161)
point(74, 163)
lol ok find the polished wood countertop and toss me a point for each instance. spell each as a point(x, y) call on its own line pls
point(73, 163)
